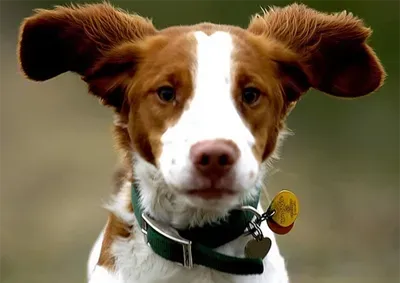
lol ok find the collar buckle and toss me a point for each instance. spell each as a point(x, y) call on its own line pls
point(170, 234)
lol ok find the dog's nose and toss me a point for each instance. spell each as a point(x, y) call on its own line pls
point(214, 157)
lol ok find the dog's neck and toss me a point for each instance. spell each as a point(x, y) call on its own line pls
point(163, 205)
point(157, 199)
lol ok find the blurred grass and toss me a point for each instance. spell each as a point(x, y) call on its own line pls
point(343, 162)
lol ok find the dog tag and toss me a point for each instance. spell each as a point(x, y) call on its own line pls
point(257, 249)
point(279, 229)
point(285, 206)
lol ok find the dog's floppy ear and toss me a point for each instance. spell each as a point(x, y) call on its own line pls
point(109, 76)
point(331, 51)
point(75, 38)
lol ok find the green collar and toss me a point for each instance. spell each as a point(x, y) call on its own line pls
point(195, 245)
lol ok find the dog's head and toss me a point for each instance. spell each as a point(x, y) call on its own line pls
point(202, 107)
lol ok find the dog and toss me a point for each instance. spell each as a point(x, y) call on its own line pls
point(199, 115)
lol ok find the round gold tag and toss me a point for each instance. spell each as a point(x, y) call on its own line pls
point(286, 207)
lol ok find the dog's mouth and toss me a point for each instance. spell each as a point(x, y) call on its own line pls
point(211, 193)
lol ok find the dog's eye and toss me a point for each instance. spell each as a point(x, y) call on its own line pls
point(166, 93)
point(250, 95)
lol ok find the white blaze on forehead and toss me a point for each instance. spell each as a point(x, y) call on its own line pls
point(211, 113)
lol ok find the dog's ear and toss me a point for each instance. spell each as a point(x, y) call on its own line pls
point(330, 52)
point(110, 75)
point(76, 38)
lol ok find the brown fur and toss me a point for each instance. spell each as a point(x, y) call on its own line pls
point(124, 59)
point(73, 38)
point(168, 63)
point(115, 229)
point(255, 66)
point(332, 49)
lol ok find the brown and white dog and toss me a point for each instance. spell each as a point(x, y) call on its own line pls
point(200, 111)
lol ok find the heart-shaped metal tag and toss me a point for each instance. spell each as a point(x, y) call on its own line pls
point(257, 249)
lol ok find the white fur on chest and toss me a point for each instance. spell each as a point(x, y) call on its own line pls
point(137, 263)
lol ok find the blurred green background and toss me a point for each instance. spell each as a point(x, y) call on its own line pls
point(343, 161)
